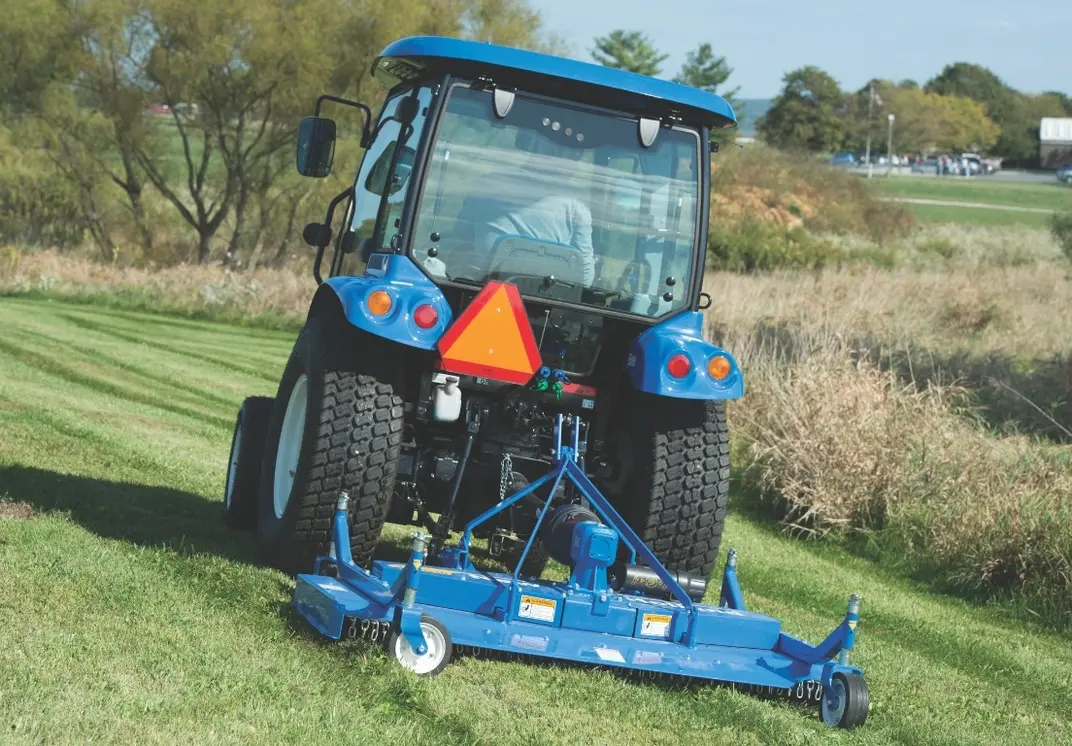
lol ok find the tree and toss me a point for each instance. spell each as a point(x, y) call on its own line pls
point(930, 121)
point(35, 52)
point(1059, 100)
point(628, 50)
point(703, 70)
point(1010, 110)
point(809, 113)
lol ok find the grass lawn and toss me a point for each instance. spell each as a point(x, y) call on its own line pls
point(980, 189)
point(977, 215)
point(131, 615)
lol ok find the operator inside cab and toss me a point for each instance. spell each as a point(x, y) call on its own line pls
point(500, 207)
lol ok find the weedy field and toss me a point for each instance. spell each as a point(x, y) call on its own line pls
point(130, 615)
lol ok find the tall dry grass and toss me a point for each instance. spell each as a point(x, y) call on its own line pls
point(859, 419)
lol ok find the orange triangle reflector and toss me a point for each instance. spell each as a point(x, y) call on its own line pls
point(492, 338)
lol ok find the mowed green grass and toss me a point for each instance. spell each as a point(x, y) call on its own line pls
point(977, 215)
point(986, 190)
point(128, 614)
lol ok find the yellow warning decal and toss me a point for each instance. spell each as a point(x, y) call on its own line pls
point(655, 625)
point(537, 607)
point(416, 564)
point(852, 625)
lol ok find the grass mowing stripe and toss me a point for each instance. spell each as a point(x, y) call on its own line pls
point(63, 371)
point(173, 386)
point(176, 369)
point(252, 339)
point(237, 364)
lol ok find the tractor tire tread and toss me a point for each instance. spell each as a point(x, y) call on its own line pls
point(687, 478)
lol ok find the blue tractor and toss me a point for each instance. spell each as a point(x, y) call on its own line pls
point(513, 300)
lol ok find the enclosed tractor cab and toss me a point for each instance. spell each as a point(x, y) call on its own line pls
point(508, 342)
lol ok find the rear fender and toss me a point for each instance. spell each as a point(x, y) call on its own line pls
point(408, 287)
point(649, 353)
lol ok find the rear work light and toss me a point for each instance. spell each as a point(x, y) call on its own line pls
point(425, 316)
point(719, 367)
point(679, 365)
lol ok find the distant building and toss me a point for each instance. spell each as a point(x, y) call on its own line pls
point(1055, 142)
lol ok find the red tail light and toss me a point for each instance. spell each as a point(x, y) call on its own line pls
point(425, 316)
point(679, 365)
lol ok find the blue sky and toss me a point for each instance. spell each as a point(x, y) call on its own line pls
point(1028, 43)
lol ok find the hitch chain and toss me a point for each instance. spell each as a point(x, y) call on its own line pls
point(506, 473)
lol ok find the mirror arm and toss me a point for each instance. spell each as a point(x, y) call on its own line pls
point(366, 133)
point(327, 221)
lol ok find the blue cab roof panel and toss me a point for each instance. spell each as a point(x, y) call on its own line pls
point(415, 56)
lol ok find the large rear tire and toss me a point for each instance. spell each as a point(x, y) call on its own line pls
point(336, 426)
point(672, 482)
point(242, 487)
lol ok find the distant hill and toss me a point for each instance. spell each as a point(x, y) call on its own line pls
point(749, 110)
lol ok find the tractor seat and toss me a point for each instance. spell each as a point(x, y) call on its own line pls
point(539, 268)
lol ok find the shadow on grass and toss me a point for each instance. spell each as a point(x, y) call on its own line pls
point(146, 515)
point(150, 516)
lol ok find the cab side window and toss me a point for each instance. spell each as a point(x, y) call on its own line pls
point(382, 183)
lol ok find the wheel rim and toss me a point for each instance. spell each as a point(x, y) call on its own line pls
point(833, 716)
point(290, 443)
point(232, 467)
point(422, 664)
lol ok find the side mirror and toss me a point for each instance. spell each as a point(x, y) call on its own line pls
point(377, 178)
point(317, 235)
point(316, 146)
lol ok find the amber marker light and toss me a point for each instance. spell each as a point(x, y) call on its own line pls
point(719, 367)
point(379, 302)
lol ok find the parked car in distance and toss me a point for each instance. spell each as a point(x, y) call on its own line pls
point(842, 159)
point(1064, 175)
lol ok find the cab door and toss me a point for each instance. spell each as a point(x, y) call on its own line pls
point(374, 218)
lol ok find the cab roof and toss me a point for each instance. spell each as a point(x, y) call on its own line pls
point(407, 59)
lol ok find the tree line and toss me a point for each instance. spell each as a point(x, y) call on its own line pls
point(964, 107)
point(83, 157)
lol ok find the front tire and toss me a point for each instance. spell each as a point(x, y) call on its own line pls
point(244, 464)
point(336, 426)
point(672, 482)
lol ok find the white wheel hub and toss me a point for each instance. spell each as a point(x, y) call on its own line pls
point(421, 664)
point(833, 715)
point(290, 443)
point(232, 468)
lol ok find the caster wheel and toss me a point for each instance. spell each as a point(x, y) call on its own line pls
point(852, 702)
point(434, 660)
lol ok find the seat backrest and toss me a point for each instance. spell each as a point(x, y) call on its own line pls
point(528, 263)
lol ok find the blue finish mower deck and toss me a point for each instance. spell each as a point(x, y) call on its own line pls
point(427, 605)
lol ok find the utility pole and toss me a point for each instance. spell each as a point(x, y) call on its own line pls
point(870, 106)
point(889, 146)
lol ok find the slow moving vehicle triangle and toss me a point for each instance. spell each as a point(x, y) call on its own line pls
point(492, 338)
